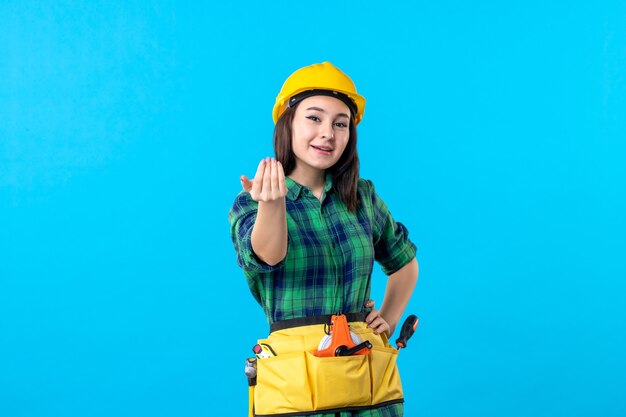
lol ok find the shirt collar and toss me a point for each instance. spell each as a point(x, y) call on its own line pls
point(294, 188)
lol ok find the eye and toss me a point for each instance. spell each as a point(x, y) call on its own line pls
point(314, 118)
point(341, 124)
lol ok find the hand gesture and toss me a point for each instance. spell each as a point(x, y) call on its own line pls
point(268, 183)
point(375, 321)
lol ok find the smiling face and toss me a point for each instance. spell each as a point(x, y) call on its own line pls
point(320, 132)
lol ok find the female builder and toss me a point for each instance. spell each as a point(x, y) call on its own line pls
point(306, 231)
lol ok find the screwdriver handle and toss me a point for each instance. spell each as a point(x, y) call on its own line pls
point(408, 328)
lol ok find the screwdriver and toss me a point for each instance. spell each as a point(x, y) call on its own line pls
point(408, 328)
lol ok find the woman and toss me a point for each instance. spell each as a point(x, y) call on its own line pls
point(307, 230)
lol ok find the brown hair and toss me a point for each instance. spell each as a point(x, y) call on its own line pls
point(345, 172)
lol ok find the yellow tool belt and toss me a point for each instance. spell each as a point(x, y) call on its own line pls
point(294, 381)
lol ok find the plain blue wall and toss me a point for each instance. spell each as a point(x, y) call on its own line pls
point(495, 132)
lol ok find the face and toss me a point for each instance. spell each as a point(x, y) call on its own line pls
point(320, 132)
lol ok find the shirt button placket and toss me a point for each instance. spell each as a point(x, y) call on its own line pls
point(333, 249)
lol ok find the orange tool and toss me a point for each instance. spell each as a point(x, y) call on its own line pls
point(341, 343)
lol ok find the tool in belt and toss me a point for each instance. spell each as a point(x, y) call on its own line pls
point(283, 389)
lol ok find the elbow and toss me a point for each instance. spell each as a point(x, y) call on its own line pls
point(270, 251)
point(272, 260)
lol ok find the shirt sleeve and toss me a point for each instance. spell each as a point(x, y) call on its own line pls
point(392, 247)
point(242, 216)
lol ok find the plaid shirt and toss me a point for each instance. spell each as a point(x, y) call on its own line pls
point(330, 251)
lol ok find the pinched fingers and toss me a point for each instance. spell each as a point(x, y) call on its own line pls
point(274, 180)
point(266, 193)
point(257, 182)
point(276, 171)
point(274, 186)
point(282, 185)
point(269, 181)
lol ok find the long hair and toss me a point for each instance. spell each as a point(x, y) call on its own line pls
point(345, 172)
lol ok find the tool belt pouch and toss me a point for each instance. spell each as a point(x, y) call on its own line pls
point(299, 382)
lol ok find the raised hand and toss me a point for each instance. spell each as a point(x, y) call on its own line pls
point(268, 183)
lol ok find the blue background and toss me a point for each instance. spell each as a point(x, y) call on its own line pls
point(495, 132)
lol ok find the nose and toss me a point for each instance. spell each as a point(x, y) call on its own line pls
point(327, 131)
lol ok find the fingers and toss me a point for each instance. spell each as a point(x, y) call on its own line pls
point(268, 183)
point(260, 169)
point(372, 316)
point(379, 325)
point(279, 187)
point(282, 185)
point(245, 183)
point(257, 183)
point(274, 180)
point(375, 321)
point(267, 180)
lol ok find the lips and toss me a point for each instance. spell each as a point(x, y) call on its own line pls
point(323, 148)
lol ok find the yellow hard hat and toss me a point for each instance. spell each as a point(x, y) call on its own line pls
point(325, 79)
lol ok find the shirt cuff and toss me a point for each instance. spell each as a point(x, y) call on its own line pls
point(252, 262)
point(402, 257)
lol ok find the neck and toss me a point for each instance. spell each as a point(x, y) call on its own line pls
point(311, 177)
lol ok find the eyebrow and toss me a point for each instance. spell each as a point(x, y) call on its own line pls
point(324, 111)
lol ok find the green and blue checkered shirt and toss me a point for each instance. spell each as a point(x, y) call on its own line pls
point(330, 251)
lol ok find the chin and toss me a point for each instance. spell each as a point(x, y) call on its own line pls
point(323, 166)
point(317, 163)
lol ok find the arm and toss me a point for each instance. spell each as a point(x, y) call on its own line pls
point(400, 286)
point(269, 234)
